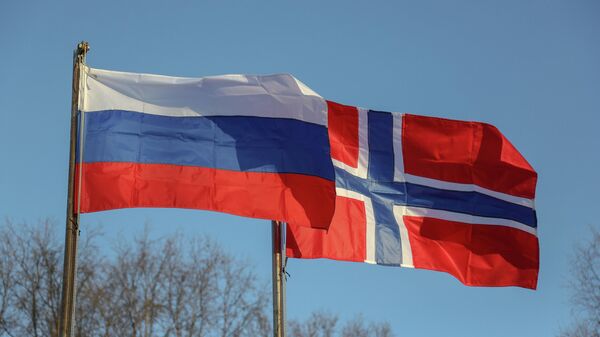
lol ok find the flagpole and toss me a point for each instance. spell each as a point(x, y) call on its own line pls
point(67, 312)
point(278, 279)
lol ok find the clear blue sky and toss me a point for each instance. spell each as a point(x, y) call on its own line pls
point(532, 68)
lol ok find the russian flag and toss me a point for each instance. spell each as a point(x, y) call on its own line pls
point(429, 193)
point(254, 146)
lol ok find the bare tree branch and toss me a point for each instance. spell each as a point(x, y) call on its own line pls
point(585, 288)
point(169, 287)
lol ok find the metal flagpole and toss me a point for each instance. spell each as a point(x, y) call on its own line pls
point(72, 227)
point(278, 280)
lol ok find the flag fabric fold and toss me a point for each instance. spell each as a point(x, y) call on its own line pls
point(234, 143)
point(429, 193)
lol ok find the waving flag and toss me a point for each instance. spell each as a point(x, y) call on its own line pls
point(235, 144)
point(430, 193)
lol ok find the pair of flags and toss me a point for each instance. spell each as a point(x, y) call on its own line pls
point(351, 184)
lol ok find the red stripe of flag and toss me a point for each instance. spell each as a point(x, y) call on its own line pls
point(276, 196)
point(477, 255)
point(465, 152)
point(343, 132)
point(344, 240)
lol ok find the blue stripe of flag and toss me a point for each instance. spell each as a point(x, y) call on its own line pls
point(239, 143)
point(473, 203)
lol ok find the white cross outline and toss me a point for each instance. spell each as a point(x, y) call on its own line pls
point(361, 171)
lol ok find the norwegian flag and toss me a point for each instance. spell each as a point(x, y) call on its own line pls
point(429, 193)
